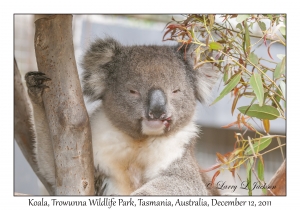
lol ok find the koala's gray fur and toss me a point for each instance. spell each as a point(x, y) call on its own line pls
point(143, 133)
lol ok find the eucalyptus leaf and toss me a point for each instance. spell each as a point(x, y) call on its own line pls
point(260, 170)
point(262, 25)
point(233, 82)
point(249, 175)
point(276, 97)
point(259, 145)
point(257, 86)
point(280, 69)
point(239, 26)
point(251, 25)
point(225, 76)
point(260, 112)
point(253, 58)
point(277, 21)
point(282, 87)
point(235, 100)
point(270, 17)
point(261, 173)
point(241, 18)
point(215, 46)
point(277, 70)
point(266, 124)
point(282, 30)
point(246, 39)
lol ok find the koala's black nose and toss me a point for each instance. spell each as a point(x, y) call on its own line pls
point(156, 104)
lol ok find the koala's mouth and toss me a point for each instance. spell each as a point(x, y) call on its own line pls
point(159, 123)
point(155, 127)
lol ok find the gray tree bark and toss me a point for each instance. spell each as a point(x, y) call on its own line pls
point(66, 113)
point(279, 180)
point(23, 128)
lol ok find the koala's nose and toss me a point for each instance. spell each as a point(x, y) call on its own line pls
point(156, 104)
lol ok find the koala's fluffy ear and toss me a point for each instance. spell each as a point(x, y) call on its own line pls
point(205, 76)
point(100, 53)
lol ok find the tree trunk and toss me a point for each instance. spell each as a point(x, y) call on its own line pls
point(279, 181)
point(66, 113)
point(23, 128)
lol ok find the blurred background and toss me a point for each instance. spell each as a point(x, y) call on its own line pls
point(145, 29)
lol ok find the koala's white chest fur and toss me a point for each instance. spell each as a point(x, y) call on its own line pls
point(129, 163)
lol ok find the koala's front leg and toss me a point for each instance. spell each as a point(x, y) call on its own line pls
point(43, 146)
point(35, 85)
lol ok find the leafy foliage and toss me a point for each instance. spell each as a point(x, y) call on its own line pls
point(235, 38)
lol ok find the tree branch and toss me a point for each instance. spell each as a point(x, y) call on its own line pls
point(23, 128)
point(279, 180)
point(66, 113)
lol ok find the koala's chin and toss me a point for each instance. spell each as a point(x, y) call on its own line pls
point(155, 127)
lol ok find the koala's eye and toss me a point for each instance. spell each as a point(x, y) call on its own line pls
point(133, 92)
point(176, 91)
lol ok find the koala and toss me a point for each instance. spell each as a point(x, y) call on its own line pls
point(143, 132)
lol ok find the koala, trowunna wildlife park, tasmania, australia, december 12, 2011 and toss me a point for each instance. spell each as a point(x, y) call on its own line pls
point(143, 132)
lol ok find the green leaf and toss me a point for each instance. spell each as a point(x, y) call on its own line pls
point(266, 96)
point(282, 87)
point(253, 58)
point(215, 46)
point(270, 17)
point(241, 18)
point(233, 82)
point(282, 30)
point(246, 39)
point(249, 175)
point(277, 71)
point(261, 172)
point(259, 145)
point(239, 26)
point(235, 100)
point(262, 26)
point(277, 21)
point(256, 83)
point(276, 97)
point(225, 76)
point(251, 25)
point(280, 69)
point(260, 112)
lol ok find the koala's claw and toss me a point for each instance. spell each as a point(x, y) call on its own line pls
point(34, 73)
point(35, 84)
point(42, 86)
point(36, 79)
point(41, 78)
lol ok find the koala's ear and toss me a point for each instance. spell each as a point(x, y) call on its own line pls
point(205, 76)
point(100, 53)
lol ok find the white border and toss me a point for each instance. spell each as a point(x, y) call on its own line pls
point(217, 6)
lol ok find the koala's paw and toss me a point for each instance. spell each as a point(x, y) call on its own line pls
point(35, 85)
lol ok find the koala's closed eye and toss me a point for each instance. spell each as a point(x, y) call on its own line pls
point(176, 91)
point(133, 92)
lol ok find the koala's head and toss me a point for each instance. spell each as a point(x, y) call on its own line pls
point(145, 90)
